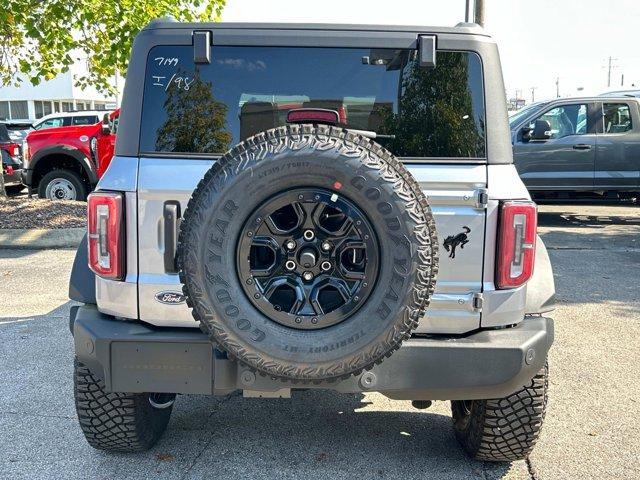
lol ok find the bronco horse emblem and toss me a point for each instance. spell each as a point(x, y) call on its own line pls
point(452, 241)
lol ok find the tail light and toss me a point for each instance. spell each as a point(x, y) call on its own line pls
point(313, 115)
point(516, 243)
point(14, 149)
point(106, 234)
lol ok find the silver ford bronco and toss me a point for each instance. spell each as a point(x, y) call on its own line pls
point(313, 207)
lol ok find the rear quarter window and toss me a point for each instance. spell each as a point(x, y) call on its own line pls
point(207, 108)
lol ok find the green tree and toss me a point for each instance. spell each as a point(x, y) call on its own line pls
point(435, 114)
point(196, 121)
point(40, 39)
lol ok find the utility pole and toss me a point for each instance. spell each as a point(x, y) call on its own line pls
point(557, 87)
point(479, 12)
point(610, 66)
point(533, 94)
point(467, 4)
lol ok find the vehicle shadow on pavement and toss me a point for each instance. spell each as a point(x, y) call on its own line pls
point(337, 435)
point(319, 433)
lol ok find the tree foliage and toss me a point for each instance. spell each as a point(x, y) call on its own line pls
point(435, 113)
point(195, 121)
point(40, 39)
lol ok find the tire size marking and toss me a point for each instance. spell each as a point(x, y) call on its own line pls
point(283, 167)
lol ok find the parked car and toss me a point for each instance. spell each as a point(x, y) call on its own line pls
point(68, 119)
point(18, 130)
point(579, 145)
point(10, 151)
point(236, 243)
point(65, 163)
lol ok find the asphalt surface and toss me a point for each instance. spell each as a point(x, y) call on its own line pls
point(591, 430)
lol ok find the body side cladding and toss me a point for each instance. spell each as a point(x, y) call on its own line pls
point(82, 285)
point(541, 289)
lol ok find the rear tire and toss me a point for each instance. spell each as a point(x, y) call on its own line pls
point(504, 429)
point(118, 422)
point(62, 185)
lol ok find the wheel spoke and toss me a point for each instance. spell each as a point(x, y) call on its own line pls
point(307, 209)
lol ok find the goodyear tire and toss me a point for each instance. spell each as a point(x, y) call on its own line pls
point(118, 422)
point(503, 429)
point(338, 189)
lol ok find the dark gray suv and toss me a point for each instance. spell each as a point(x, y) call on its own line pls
point(579, 145)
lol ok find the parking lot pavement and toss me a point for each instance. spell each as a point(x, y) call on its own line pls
point(591, 429)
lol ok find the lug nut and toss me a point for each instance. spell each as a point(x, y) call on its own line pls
point(308, 235)
point(290, 244)
point(308, 276)
point(326, 246)
point(290, 265)
point(325, 266)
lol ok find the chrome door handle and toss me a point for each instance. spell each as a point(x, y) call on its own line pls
point(582, 146)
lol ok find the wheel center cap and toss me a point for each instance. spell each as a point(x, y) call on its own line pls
point(308, 258)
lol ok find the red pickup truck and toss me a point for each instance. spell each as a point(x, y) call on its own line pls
point(65, 163)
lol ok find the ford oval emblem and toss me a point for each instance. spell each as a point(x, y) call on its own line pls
point(84, 138)
point(170, 298)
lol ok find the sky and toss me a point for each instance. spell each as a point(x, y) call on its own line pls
point(540, 41)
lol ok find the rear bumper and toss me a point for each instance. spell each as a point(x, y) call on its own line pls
point(134, 357)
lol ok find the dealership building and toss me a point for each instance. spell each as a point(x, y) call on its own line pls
point(29, 102)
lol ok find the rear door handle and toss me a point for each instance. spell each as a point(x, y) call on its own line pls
point(582, 146)
point(171, 214)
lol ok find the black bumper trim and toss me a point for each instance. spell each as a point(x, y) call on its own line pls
point(135, 357)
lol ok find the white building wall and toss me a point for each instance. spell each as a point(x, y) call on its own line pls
point(59, 89)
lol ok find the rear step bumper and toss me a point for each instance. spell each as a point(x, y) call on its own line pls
point(135, 357)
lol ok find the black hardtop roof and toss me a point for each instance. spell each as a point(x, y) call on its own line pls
point(459, 29)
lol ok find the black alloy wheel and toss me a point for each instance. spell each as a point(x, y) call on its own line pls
point(308, 258)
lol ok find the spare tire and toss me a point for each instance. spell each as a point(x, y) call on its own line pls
point(308, 253)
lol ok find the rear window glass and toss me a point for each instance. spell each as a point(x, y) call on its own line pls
point(207, 108)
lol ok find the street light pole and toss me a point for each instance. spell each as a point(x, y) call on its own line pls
point(479, 12)
point(466, 10)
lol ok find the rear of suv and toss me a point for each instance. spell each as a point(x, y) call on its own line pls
point(347, 216)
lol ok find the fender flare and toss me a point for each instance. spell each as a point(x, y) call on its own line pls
point(82, 284)
point(74, 153)
point(541, 288)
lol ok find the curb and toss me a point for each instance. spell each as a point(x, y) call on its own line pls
point(40, 238)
